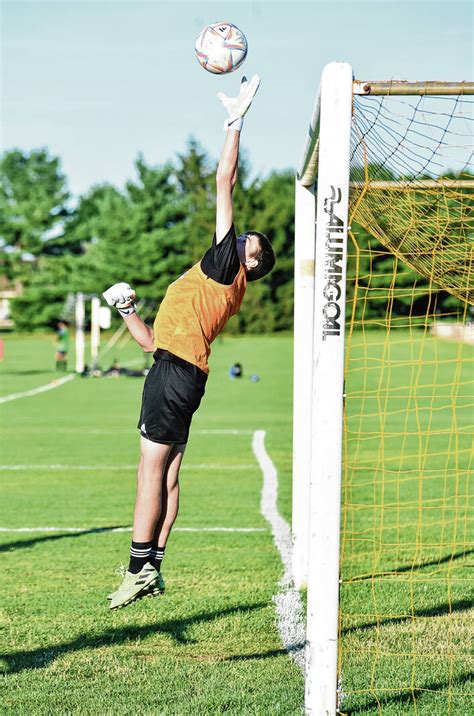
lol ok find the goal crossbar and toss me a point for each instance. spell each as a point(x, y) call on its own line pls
point(401, 87)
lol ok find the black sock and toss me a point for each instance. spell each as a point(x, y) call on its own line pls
point(156, 556)
point(139, 556)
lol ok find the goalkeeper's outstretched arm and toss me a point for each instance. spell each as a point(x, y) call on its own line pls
point(122, 296)
point(226, 176)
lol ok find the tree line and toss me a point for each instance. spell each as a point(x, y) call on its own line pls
point(148, 233)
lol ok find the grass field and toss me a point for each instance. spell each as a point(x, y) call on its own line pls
point(210, 645)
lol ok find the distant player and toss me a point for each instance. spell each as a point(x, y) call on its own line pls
point(194, 311)
point(62, 346)
point(236, 371)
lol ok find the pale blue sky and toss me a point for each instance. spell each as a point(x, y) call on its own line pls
point(98, 81)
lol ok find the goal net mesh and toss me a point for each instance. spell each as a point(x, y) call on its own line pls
point(405, 538)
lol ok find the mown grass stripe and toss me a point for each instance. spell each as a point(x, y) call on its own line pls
point(16, 530)
point(58, 466)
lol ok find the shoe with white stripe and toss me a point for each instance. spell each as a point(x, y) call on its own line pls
point(134, 586)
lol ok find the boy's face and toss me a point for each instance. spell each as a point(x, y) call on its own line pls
point(247, 249)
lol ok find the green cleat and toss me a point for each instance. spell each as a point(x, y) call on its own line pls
point(121, 571)
point(154, 590)
point(134, 586)
point(157, 587)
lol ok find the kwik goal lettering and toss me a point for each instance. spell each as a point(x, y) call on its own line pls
point(333, 261)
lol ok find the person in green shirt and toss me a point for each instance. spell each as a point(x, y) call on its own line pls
point(62, 346)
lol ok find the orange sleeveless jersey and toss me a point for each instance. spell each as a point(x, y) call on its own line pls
point(194, 311)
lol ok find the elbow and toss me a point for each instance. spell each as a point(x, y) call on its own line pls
point(224, 179)
point(148, 346)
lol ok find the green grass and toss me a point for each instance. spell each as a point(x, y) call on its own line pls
point(210, 645)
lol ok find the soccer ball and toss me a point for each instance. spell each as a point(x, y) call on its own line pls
point(221, 48)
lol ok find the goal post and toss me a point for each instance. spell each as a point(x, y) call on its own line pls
point(95, 329)
point(392, 159)
point(326, 393)
point(80, 337)
point(99, 318)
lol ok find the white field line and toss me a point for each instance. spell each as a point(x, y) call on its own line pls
point(41, 389)
point(289, 608)
point(127, 431)
point(95, 468)
point(79, 530)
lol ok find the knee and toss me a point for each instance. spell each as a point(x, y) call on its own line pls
point(149, 471)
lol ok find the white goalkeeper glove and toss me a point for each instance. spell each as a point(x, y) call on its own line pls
point(122, 297)
point(237, 106)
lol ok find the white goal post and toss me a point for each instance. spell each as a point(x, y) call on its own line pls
point(321, 242)
point(99, 318)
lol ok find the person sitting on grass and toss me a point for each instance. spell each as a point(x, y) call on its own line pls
point(194, 311)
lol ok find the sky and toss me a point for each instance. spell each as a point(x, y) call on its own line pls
point(98, 81)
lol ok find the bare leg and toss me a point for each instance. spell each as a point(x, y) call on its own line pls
point(153, 461)
point(170, 496)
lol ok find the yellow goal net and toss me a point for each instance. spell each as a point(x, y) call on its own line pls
point(406, 542)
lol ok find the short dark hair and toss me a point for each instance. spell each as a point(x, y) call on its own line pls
point(265, 257)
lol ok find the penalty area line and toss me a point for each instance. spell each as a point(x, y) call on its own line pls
point(36, 391)
point(289, 607)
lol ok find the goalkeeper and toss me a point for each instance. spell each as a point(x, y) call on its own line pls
point(194, 311)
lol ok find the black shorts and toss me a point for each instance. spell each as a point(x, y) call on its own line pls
point(172, 393)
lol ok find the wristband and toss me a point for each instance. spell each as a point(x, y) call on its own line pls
point(126, 311)
point(234, 123)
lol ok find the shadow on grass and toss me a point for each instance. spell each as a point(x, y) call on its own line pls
point(267, 654)
point(22, 544)
point(408, 697)
point(462, 605)
point(18, 661)
point(414, 567)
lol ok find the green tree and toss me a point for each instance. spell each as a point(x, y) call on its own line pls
point(42, 303)
point(33, 207)
point(137, 235)
point(195, 177)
